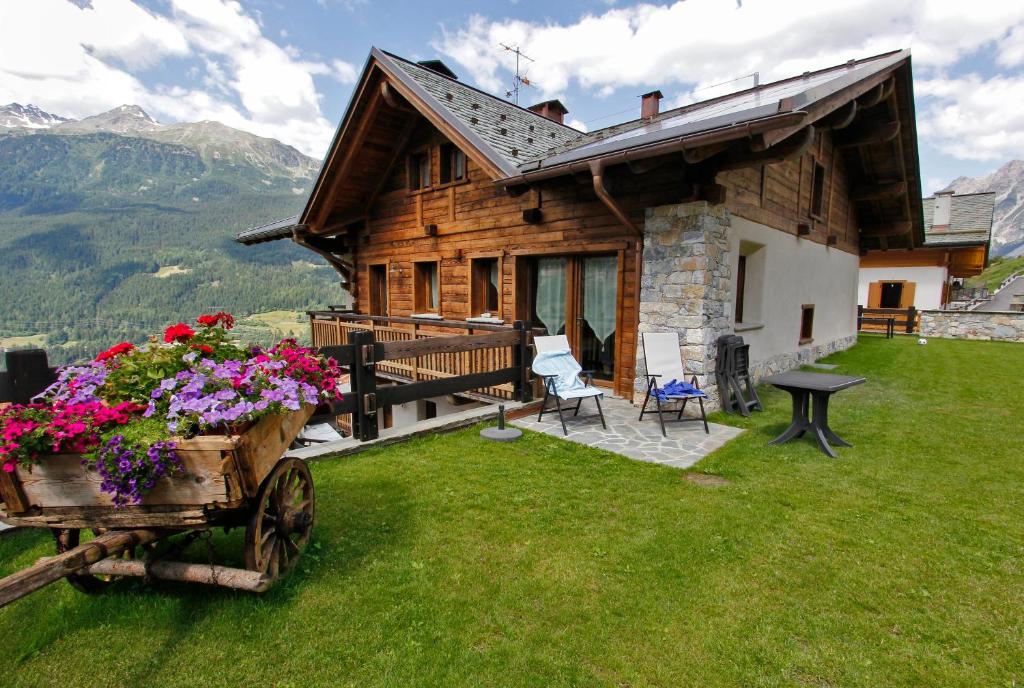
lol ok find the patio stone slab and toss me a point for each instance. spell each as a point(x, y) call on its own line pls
point(685, 445)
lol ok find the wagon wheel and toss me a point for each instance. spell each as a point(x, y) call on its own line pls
point(282, 519)
point(69, 538)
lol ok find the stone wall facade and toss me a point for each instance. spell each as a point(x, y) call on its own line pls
point(1007, 326)
point(686, 287)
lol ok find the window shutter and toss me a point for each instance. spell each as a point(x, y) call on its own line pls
point(874, 294)
point(907, 298)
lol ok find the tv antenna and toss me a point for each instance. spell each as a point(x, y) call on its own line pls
point(520, 79)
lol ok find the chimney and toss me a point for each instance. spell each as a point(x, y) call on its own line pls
point(941, 211)
point(649, 104)
point(438, 67)
point(552, 109)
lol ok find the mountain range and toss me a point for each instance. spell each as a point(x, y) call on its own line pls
point(114, 225)
point(1008, 219)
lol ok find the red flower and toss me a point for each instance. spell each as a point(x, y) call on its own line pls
point(178, 333)
point(115, 351)
point(205, 348)
point(225, 320)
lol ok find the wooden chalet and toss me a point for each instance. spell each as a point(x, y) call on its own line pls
point(742, 213)
point(958, 231)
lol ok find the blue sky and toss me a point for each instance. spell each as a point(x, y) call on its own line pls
point(286, 69)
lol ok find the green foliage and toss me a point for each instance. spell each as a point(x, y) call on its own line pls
point(86, 221)
point(998, 270)
point(451, 561)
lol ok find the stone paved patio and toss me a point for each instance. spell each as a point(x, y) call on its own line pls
point(686, 443)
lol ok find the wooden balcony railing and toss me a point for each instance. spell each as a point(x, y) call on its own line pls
point(332, 328)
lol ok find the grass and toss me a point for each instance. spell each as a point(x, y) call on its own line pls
point(996, 272)
point(22, 341)
point(444, 561)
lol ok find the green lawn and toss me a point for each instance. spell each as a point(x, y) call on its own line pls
point(444, 561)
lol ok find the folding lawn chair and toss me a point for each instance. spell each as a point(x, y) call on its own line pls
point(555, 365)
point(666, 379)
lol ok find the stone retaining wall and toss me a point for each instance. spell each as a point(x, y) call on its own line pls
point(1007, 326)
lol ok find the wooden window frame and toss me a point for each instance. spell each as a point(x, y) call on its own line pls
point(411, 165)
point(806, 337)
point(451, 150)
point(818, 173)
point(474, 285)
point(418, 288)
point(387, 286)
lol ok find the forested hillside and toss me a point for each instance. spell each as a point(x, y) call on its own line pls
point(105, 237)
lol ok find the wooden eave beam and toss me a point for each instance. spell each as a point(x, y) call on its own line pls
point(867, 134)
point(878, 192)
point(597, 170)
point(839, 119)
point(702, 153)
point(352, 149)
point(392, 99)
point(825, 106)
point(403, 141)
point(790, 148)
point(891, 229)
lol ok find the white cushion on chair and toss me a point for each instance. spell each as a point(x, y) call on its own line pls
point(555, 342)
point(565, 370)
point(661, 352)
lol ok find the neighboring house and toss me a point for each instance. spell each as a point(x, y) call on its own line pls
point(743, 213)
point(957, 233)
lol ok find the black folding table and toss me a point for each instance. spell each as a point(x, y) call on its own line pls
point(815, 389)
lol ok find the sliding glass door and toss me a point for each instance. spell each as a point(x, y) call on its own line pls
point(577, 296)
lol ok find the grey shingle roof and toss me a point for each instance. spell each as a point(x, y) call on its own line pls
point(512, 132)
point(278, 229)
point(970, 220)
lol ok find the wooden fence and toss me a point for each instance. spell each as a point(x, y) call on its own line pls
point(888, 320)
point(330, 328)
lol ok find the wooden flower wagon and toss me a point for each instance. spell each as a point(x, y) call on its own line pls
point(228, 481)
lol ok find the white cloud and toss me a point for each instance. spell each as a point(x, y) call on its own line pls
point(973, 118)
point(707, 41)
point(84, 64)
point(577, 124)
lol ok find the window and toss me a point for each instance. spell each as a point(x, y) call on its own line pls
point(741, 284)
point(419, 171)
point(485, 285)
point(892, 295)
point(749, 285)
point(426, 287)
point(817, 189)
point(453, 164)
point(806, 323)
point(378, 290)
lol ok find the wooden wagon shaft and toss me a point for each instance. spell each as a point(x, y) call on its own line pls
point(208, 574)
point(51, 569)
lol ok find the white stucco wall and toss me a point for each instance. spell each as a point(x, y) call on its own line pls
point(928, 281)
point(784, 273)
point(404, 415)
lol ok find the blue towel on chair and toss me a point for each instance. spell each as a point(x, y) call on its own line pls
point(675, 389)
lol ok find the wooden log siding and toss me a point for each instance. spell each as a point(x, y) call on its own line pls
point(474, 219)
point(780, 197)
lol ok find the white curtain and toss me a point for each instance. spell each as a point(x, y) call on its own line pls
point(550, 297)
point(599, 292)
point(434, 291)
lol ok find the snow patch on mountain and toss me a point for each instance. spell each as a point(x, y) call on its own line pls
point(18, 116)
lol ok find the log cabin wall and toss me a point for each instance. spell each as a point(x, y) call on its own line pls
point(474, 218)
point(780, 196)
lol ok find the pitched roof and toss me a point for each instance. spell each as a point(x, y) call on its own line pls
point(788, 95)
point(970, 220)
point(514, 134)
point(519, 142)
point(278, 229)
